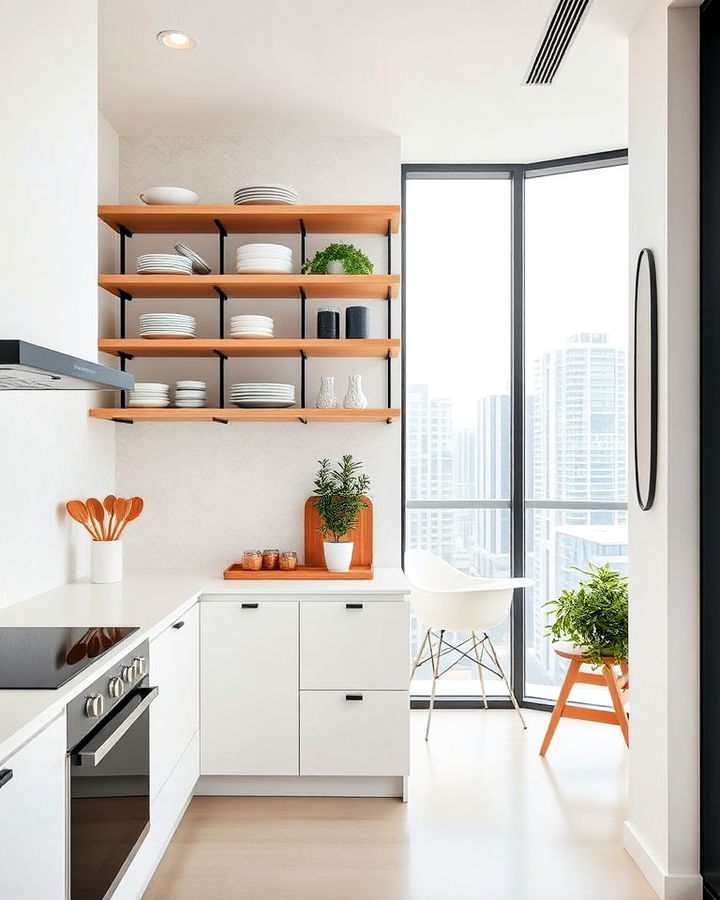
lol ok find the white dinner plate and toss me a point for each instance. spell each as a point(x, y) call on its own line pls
point(191, 385)
point(147, 404)
point(263, 404)
point(163, 335)
point(198, 263)
point(265, 201)
point(265, 250)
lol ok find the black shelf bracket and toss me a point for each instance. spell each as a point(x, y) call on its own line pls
point(222, 296)
point(303, 236)
point(222, 234)
point(303, 304)
point(219, 420)
point(388, 421)
point(303, 374)
point(123, 355)
point(123, 421)
point(221, 376)
point(124, 233)
point(388, 235)
point(304, 421)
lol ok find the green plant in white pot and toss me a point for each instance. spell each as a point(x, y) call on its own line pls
point(339, 500)
point(339, 259)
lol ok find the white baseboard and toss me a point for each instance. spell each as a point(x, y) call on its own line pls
point(675, 886)
point(300, 786)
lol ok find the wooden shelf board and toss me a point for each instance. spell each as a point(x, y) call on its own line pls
point(141, 219)
point(274, 347)
point(303, 573)
point(320, 287)
point(234, 414)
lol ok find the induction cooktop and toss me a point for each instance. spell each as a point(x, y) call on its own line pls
point(45, 658)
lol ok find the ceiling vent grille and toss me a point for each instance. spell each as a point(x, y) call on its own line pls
point(556, 41)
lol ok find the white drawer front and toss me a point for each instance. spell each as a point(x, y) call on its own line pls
point(249, 685)
point(175, 714)
point(342, 736)
point(354, 644)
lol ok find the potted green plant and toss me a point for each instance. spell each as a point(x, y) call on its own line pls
point(339, 259)
point(340, 497)
point(594, 617)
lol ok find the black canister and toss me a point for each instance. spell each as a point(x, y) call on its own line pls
point(357, 322)
point(328, 322)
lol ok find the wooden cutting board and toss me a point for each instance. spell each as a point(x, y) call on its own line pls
point(362, 537)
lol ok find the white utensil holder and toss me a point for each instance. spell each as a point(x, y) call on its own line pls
point(106, 561)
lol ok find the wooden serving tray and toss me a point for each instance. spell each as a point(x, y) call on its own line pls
point(235, 572)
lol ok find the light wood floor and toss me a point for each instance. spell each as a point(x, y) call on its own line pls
point(487, 819)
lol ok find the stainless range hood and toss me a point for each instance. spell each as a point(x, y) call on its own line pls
point(27, 367)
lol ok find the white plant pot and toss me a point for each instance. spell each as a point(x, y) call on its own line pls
point(106, 561)
point(336, 267)
point(338, 556)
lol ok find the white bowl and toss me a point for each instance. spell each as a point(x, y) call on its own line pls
point(264, 250)
point(191, 385)
point(176, 196)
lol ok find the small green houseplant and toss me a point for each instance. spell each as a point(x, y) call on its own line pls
point(339, 500)
point(339, 259)
point(594, 617)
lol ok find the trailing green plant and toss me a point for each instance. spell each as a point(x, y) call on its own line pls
point(340, 496)
point(594, 617)
point(354, 261)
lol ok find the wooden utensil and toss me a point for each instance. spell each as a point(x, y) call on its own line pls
point(121, 509)
point(137, 504)
point(78, 651)
point(97, 511)
point(78, 511)
point(94, 645)
point(109, 504)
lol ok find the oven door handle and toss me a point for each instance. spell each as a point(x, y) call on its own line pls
point(97, 749)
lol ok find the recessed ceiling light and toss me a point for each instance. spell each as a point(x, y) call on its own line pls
point(177, 40)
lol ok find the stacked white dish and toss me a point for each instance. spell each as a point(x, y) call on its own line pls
point(267, 259)
point(251, 327)
point(262, 396)
point(149, 394)
point(164, 264)
point(167, 325)
point(190, 394)
point(198, 264)
point(271, 194)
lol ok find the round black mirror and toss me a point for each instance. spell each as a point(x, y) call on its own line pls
point(645, 378)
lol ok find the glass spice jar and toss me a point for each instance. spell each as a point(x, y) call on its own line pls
point(270, 559)
point(288, 560)
point(252, 560)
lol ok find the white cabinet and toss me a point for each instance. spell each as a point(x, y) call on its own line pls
point(354, 732)
point(249, 687)
point(354, 643)
point(175, 714)
point(32, 818)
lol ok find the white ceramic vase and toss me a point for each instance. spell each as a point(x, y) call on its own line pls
point(338, 556)
point(336, 267)
point(354, 397)
point(106, 561)
point(326, 399)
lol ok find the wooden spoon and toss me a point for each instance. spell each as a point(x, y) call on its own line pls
point(78, 650)
point(109, 504)
point(78, 511)
point(137, 504)
point(94, 645)
point(97, 511)
point(122, 507)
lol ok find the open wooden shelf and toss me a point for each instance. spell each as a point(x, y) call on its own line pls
point(320, 287)
point(273, 347)
point(233, 414)
point(141, 219)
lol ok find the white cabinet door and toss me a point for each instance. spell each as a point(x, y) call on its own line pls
point(354, 644)
point(175, 714)
point(32, 818)
point(249, 687)
point(354, 733)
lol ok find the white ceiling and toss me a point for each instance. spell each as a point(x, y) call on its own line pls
point(445, 75)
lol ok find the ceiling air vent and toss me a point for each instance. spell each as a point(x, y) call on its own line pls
point(555, 43)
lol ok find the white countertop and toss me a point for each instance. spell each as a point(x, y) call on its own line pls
point(151, 599)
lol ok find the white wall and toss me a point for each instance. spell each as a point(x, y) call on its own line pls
point(662, 832)
point(49, 450)
point(213, 490)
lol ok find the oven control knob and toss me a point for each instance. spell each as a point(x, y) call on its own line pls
point(139, 666)
point(116, 688)
point(94, 706)
point(127, 674)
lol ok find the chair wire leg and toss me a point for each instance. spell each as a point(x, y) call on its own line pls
point(478, 657)
point(419, 654)
point(504, 678)
point(436, 670)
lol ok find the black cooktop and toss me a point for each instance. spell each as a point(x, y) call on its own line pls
point(45, 658)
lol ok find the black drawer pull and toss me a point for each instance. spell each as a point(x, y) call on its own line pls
point(353, 606)
point(5, 776)
point(249, 605)
point(353, 696)
point(178, 624)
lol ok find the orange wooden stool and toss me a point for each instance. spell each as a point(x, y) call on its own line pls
point(618, 685)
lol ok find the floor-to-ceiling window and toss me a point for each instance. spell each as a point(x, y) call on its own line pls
point(516, 308)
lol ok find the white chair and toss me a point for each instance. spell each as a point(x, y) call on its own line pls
point(445, 599)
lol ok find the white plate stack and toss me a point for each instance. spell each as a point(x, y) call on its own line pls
point(251, 327)
point(264, 259)
point(270, 194)
point(164, 264)
point(263, 396)
point(167, 325)
point(190, 394)
point(150, 395)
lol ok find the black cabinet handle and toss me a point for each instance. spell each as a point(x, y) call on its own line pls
point(353, 696)
point(5, 776)
point(249, 605)
point(353, 606)
point(178, 625)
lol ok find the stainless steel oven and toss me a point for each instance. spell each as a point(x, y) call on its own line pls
point(108, 776)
